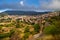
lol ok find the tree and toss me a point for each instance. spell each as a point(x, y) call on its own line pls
point(17, 23)
point(53, 29)
point(26, 35)
point(50, 30)
point(36, 27)
point(26, 29)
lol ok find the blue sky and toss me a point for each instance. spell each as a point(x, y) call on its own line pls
point(31, 5)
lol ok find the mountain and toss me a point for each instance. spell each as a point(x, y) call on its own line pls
point(3, 10)
point(24, 12)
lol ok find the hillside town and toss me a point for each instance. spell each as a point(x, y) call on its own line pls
point(24, 27)
point(31, 19)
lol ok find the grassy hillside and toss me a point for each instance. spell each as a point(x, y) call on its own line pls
point(52, 32)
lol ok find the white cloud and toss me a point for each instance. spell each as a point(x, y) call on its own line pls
point(22, 3)
point(54, 5)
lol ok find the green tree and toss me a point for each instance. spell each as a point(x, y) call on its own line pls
point(26, 35)
point(50, 30)
point(26, 29)
point(36, 27)
point(17, 23)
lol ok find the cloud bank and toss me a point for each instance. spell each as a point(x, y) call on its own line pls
point(53, 5)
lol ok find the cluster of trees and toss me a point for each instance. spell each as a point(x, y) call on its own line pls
point(54, 27)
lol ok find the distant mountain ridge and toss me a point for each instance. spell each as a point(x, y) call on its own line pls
point(24, 12)
point(3, 10)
